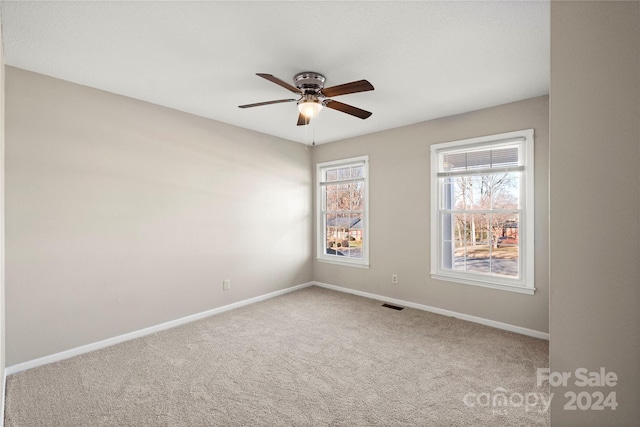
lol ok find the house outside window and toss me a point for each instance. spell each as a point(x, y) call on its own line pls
point(482, 211)
point(342, 218)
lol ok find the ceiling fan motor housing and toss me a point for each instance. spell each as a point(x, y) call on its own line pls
point(309, 81)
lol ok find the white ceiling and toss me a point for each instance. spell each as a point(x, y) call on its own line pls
point(425, 59)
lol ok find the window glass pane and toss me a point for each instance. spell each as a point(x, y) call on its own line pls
point(356, 195)
point(480, 226)
point(342, 197)
point(506, 260)
point(506, 252)
point(494, 228)
point(506, 265)
point(505, 157)
point(447, 254)
point(344, 173)
point(462, 238)
point(479, 159)
point(505, 190)
point(476, 194)
point(461, 232)
point(335, 242)
point(496, 157)
point(331, 198)
point(454, 162)
point(476, 250)
point(480, 243)
point(459, 256)
point(447, 226)
point(355, 235)
point(462, 192)
point(331, 235)
point(337, 226)
point(331, 175)
point(478, 259)
point(447, 195)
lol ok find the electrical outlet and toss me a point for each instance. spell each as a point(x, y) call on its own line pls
point(226, 284)
point(394, 279)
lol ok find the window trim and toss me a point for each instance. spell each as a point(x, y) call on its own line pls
point(320, 218)
point(524, 284)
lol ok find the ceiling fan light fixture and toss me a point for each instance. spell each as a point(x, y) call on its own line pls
point(313, 95)
point(309, 108)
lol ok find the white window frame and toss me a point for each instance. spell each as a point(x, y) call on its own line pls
point(525, 282)
point(321, 217)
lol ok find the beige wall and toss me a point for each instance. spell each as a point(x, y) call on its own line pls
point(595, 203)
point(400, 217)
point(2, 264)
point(121, 215)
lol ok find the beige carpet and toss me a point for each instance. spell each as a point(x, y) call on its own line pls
point(313, 357)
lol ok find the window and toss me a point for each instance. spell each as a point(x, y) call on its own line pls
point(482, 211)
point(342, 191)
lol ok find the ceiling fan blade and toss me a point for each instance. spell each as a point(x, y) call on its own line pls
point(349, 109)
point(302, 120)
point(353, 87)
point(257, 104)
point(279, 82)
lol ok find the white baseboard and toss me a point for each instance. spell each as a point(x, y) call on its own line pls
point(462, 316)
point(10, 370)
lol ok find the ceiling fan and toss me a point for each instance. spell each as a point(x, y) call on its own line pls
point(309, 85)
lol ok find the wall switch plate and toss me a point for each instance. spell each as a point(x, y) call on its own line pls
point(226, 284)
point(394, 279)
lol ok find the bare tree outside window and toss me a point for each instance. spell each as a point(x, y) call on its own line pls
point(485, 229)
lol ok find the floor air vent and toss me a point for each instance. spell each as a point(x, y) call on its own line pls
point(395, 307)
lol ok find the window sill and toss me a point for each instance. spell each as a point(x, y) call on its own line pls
point(485, 284)
point(343, 263)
